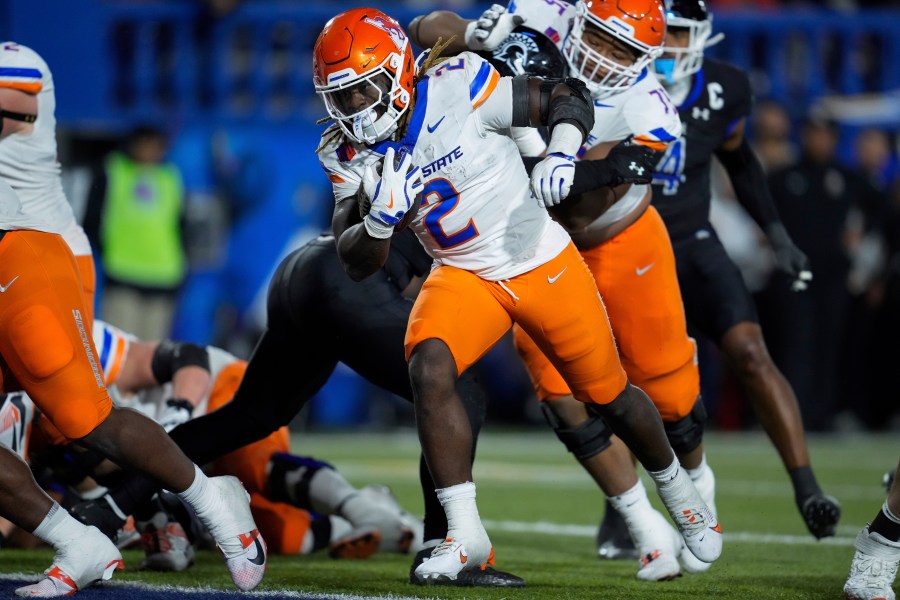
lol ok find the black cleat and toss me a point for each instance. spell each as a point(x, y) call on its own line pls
point(613, 540)
point(486, 577)
point(821, 514)
point(99, 514)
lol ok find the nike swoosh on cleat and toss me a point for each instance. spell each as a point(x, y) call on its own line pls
point(3, 288)
point(58, 574)
point(260, 558)
point(431, 128)
point(463, 558)
point(717, 528)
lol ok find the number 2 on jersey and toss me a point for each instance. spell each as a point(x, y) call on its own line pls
point(447, 200)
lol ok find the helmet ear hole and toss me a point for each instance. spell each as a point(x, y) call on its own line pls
point(395, 62)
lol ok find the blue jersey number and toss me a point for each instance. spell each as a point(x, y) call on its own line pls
point(669, 172)
point(447, 200)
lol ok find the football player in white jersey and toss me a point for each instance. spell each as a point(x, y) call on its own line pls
point(28, 153)
point(172, 382)
point(610, 45)
point(46, 350)
point(499, 257)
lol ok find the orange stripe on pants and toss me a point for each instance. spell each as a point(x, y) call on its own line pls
point(635, 273)
point(44, 337)
point(556, 303)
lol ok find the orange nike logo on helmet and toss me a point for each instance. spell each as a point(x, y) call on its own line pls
point(391, 203)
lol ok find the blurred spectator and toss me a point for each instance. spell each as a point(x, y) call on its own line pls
point(819, 201)
point(873, 157)
point(886, 330)
point(134, 218)
point(772, 136)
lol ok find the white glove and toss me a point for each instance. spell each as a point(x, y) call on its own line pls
point(393, 196)
point(177, 411)
point(492, 27)
point(552, 178)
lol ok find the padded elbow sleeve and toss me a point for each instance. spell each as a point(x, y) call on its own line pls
point(171, 356)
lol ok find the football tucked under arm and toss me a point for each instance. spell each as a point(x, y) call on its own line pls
point(367, 187)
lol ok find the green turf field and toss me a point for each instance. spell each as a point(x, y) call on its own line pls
point(542, 511)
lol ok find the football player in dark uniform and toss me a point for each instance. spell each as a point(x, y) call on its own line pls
point(714, 100)
point(317, 316)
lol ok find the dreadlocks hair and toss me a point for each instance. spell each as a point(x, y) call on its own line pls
point(336, 134)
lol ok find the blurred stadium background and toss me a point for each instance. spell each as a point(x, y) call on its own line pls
point(229, 82)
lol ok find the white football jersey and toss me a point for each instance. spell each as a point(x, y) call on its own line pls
point(11, 214)
point(16, 415)
point(476, 212)
point(28, 162)
point(112, 346)
point(644, 110)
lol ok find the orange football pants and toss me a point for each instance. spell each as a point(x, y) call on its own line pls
point(283, 526)
point(45, 337)
point(88, 285)
point(556, 303)
point(635, 273)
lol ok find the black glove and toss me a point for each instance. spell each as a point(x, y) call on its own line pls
point(788, 257)
point(631, 162)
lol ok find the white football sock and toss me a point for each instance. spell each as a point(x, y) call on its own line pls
point(59, 527)
point(462, 511)
point(197, 494)
point(632, 503)
point(331, 494)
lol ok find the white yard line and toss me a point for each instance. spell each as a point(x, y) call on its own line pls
point(178, 589)
point(590, 531)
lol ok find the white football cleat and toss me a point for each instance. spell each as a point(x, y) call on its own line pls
point(88, 558)
point(873, 569)
point(128, 535)
point(451, 557)
point(348, 541)
point(659, 545)
point(705, 482)
point(232, 527)
point(166, 545)
point(400, 531)
point(698, 526)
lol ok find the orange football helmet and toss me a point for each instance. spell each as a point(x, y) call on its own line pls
point(640, 25)
point(363, 68)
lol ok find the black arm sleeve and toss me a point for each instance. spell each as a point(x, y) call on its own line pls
point(749, 183)
point(171, 356)
point(589, 174)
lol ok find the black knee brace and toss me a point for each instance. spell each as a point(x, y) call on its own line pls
point(585, 440)
point(686, 433)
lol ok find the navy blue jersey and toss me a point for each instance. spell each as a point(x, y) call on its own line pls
point(719, 98)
